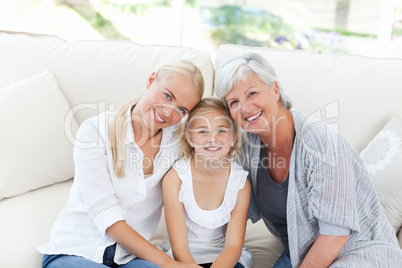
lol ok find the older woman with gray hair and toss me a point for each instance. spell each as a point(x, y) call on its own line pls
point(309, 185)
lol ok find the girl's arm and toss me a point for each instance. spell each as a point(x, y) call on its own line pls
point(324, 251)
point(236, 231)
point(175, 219)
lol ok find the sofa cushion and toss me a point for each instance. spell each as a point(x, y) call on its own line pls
point(26, 222)
point(34, 149)
point(265, 247)
point(355, 94)
point(94, 76)
point(383, 159)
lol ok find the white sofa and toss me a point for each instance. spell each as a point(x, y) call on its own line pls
point(41, 110)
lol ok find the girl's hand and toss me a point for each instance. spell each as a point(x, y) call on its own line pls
point(190, 265)
point(178, 264)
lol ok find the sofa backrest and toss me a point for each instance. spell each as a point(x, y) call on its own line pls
point(357, 95)
point(93, 75)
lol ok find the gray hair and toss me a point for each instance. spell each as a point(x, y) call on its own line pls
point(240, 68)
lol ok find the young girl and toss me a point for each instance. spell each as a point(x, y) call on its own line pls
point(116, 199)
point(206, 194)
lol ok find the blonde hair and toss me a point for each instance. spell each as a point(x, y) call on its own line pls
point(117, 127)
point(205, 106)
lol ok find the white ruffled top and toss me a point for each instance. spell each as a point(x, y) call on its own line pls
point(209, 218)
point(206, 229)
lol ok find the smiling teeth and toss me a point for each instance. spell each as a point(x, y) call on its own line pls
point(254, 117)
point(212, 148)
point(157, 116)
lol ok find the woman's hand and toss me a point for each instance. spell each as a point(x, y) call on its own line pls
point(324, 251)
point(133, 242)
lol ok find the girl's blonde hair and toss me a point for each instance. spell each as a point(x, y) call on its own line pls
point(117, 127)
point(205, 106)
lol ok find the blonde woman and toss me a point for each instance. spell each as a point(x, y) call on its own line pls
point(207, 193)
point(116, 199)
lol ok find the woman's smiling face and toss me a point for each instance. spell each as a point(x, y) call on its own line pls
point(253, 105)
point(167, 101)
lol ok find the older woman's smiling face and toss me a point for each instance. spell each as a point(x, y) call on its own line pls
point(254, 105)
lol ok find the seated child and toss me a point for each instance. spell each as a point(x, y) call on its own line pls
point(206, 193)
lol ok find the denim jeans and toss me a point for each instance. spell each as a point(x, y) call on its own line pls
point(283, 261)
point(71, 261)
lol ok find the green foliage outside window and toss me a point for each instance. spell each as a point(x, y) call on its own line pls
point(257, 27)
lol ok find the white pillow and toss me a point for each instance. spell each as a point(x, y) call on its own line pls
point(34, 149)
point(383, 159)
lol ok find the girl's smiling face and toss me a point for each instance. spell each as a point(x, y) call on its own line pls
point(211, 135)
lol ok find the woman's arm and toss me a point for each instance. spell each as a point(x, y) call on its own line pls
point(93, 177)
point(331, 192)
point(236, 231)
point(175, 219)
point(133, 242)
point(324, 251)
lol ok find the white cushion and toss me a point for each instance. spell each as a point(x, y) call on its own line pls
point(355, 94)
point(264, 246)
point(94, 76)
point(26, 222)
point(383, 159)
point(34, 149)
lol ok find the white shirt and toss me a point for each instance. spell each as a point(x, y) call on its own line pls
point(98, 198)
point(206, 229)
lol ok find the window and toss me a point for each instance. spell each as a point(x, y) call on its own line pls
point(370, 28)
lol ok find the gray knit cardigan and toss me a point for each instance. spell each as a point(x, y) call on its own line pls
point(328, 182)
